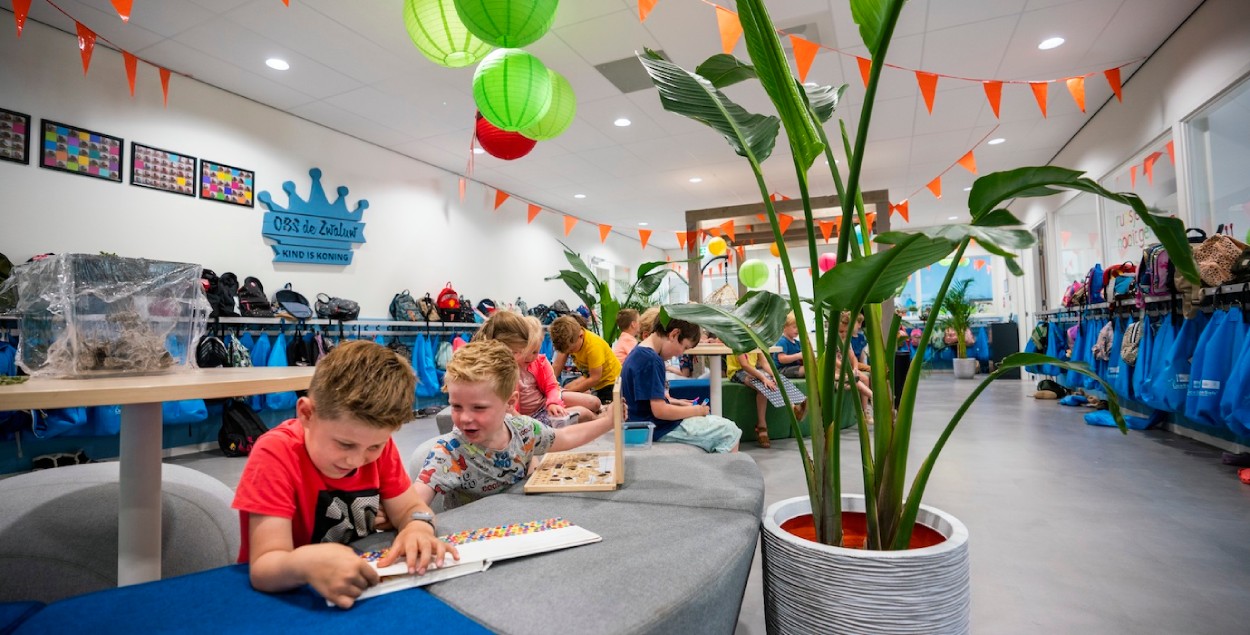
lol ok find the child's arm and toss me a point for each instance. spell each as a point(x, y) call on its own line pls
point(571, 437)
point(416, 538)
point(558, 363)
point(672, 412)
point(763, 374)
point(335, 571)
point(586, 383)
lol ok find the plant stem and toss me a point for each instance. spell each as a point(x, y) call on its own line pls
point(811, 233)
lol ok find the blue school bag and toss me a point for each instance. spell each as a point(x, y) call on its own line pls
point(1235, 403)
point(1093, 328)
point(1080, 353)
point(1111, 368)
point(59, 421)
point(1173, 384)
point(277, 358)
point(1141, 370)
point(1054, 348)
point(1159, 348)
point(1224, 336)
point(423, 363)
point(1121, 372)
point(260, 358)
point(981, 346)
point(187, 410)
point(548, 349)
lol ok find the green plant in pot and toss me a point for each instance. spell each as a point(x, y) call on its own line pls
point(819, 585)
point(957, 310)
point(594, 292)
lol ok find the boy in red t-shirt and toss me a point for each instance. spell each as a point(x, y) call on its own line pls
point(318, 481)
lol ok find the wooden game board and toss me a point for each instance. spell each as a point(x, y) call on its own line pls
point(584, 471)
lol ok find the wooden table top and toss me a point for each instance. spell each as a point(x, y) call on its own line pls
point(200, 383)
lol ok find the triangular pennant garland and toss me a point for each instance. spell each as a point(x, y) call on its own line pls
point(1132, 176)
point(681, 239)
point(165, 85)
point(742, 252)
point(783, 221)
point(1113, 78)
point(532, 213)
point(872, 221)
point(1065, 236)
point(928, 86)
point(730, 29)
point(728, 228)
point(464, 183)
point(1076, 86)
point(1039, 93)
point(604, 230)
point(978, 264)
point(21, 8)
point(644, 235)
point(901, 209)
point(132, 68)
point(865, 69)
point(935, 186)
point(804, 54)
point(644, 9)
point(86, 45)
point(1149, 166)
point(826, 229)
point(713, 231)
point(569, 223)
point(1171, 148)
point(500, 197)
point(994, 93)
point(969, 162)
point(123, 9)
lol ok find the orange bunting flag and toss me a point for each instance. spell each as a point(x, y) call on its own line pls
point(1076, 86)
point(742, 252)
point(644, 9)
point(604, 230)
point(132, 67)
point(681, 239)
point(994, 93)
point(901, 209)
point(463, 184)
point(978, 264)
point(86, 45)
point(826, 229)
point(644, 235)
point(713, 231)
point(969, 162)
point(872, 220)
point(865, 68)
point(784, 220)
point(123, 9)
point(1149, 166)
point(1171, 148)
point(928, 85)
point(286, 2)
point(730, 29)
point(21, 8)
point(500, 197)
point(1113, 78)
point(165, 85)
point(1039, 93)
point(1132, 176)
point(569, 222)
point(935, 186)
point(1065, 236)
point(804, 55)
point(532, 213)
point(762, 217)
point(728, 228)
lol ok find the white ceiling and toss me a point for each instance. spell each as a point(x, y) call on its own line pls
point(354, 69)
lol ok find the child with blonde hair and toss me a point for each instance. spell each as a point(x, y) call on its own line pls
point(538, 393)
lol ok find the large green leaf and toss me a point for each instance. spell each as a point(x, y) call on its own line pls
point(581, 267)
point(579, 285)
point(608, 310)
point(996, 240)
point(687, 94)
point(992, 190)
point(650, 283)
point(824, 100)
point(881, 276)
point(870, 15)
point(724, 70)
point(773, 69)
point(755, 323)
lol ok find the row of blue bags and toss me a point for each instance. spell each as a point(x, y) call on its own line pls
point(943, 357)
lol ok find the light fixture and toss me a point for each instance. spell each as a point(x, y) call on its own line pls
point(621, 122)
point(643, 223)
point(695, 179)
point(478, 151)
point(1050, 43)
point(952, 217)
point(995, 141)
point(968, 189)
point(579, 196)
point(277, 64)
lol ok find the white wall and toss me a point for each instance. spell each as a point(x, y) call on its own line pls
point(1206, 55)
point(419, 234)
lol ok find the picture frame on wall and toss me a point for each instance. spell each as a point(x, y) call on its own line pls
point(163, 170)
point(67, 148)
point(227, 184)
point(14, 136)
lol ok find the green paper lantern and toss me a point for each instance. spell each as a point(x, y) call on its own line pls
point(753, 274)
point(440, 35)
point(507, 23)
point(512, 89)
point(559, 115)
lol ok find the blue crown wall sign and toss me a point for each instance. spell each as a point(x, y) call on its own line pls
point(313, 231)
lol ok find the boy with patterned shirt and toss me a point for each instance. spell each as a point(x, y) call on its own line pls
point(591, 354)
point(489, 450)
point(319, 481)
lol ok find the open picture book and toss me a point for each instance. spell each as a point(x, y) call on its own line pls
point(479, 548)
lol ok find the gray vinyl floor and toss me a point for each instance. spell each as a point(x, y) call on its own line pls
point(1074, 529)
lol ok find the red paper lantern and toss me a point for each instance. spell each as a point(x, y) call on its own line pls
point(502, 144)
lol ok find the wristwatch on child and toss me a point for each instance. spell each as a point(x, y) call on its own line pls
point(425, 517)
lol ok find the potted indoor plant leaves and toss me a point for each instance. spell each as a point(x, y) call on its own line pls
point(957, 310)
point(818, 584)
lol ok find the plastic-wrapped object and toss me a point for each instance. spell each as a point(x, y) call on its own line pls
point(89, 315)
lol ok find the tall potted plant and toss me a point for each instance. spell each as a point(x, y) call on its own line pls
point(594, 292)
point(957, 312)
point(819, 584)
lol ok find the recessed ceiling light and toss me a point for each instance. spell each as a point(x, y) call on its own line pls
point(1050, 43)
point(695, 179)
point(995, 141)
point(952, 217)
point(621, 123)
point(579, 196)
point(643, 223)
point(478, 151)
point(277, 64)
point(967, 189)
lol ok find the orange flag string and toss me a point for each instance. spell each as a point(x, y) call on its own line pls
point(86, 44)
point(994, 93)
point(463, 184)
point(500, 197)
point(935, 186)
point(969, 162)
point(1132, 176)
point(1113, 78)
point(165, 85)
point(532, 213)
point(1076, 86)
point(1171, 148)
point(826, 229)
point(901, 208)
point(713, 231)
point(783, 221)
point(132, 67)
point(742, 252)
point(730, 29)
point(804, 54)
point(604, 230)
point(1039, 93)
point(681, 239)
point(728, 228)
point(1065, 236)
point(21, 8)
point(569, 223)
point(644, 9)
point(644, 235)
point(123, 9)
point(763, 218)
point(865, 68)
point(872, 220)
point(1149, 166)
point(928, 85)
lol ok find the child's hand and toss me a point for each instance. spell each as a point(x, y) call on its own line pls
point(380, 522)
point(420, 546)
point(769, 383)
point(556, 410)
point(339, 574)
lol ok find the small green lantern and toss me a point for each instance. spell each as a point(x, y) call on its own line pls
point(753, 274)
point(559, 115)
point(508, 23)
point(440, 35)
point(512, 89)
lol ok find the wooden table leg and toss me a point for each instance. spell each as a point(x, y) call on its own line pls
point(139, 513)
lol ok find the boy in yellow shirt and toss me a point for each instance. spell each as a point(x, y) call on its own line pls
point(590, 353)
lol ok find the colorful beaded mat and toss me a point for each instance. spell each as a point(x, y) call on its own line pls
point(488, 533)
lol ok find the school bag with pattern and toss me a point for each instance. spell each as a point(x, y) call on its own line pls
point(293, 302)
point(252, 299)
point(240, 428)
point(238, 355)
point(1094, 285)
point(340, 309)
point(443, 357)
point(404, 308)
point(428, 308)
point(448, 302)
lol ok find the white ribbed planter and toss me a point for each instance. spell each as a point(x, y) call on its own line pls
point(815, 588)
point(965, 367)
